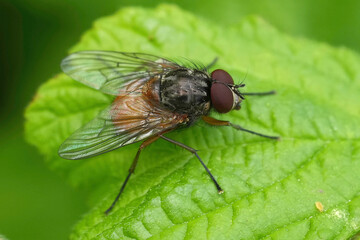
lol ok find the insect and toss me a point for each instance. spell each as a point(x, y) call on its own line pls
point(153, 96)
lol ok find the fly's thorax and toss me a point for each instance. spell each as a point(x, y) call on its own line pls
point(186, 91)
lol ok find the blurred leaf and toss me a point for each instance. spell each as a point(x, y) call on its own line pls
point(2, 237)
point(270, 187)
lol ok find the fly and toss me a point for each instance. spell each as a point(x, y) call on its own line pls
point(153, 96)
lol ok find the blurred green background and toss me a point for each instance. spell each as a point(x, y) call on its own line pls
point(35, 203)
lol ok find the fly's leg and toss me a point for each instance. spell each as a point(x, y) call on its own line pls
point(207, 67)
point(259, 93)
point(132, 169)
point(190, 149)
point(216, 122)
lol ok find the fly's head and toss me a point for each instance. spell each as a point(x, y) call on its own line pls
point(225, 95)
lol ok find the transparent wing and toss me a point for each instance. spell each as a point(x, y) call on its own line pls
point(127, 120)
point(111, 72)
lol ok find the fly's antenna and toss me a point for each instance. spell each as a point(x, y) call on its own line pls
point(237, 92)
point(247, 71)
point(235, 89)
point(240, 85)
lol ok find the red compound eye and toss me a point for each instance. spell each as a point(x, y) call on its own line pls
point(222, 76)
point(221, 95)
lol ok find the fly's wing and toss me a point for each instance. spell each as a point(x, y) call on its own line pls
point(127, 120)
point(112, 72)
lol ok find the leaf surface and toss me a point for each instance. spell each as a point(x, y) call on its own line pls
point(271, 187)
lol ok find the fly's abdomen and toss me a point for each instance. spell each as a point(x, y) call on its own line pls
point(186, 91)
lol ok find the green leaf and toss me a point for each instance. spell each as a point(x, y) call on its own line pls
point(270, 186)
